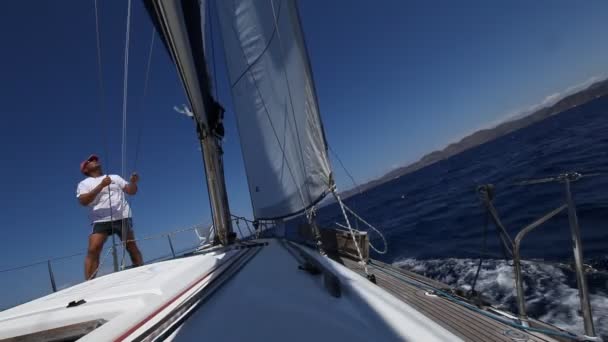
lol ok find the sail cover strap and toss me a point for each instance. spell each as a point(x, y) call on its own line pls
point(276, 106)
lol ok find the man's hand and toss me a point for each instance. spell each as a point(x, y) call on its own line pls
point(86, 199)
point(106, 181)
point(131, 188)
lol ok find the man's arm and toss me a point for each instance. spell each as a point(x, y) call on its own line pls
point(131, 187)
point(86, 199)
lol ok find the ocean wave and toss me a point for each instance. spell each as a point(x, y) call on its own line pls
point(550, 288)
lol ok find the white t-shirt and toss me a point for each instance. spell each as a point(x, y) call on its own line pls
point(99, 209)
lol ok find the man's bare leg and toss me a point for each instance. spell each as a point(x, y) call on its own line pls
point(133, 250)
point(91, 262)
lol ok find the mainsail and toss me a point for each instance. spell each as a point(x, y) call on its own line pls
point(276, 106)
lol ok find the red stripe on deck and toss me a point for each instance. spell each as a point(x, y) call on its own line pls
point(164, 306)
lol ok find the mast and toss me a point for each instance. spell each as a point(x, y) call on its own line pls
point(179, 23)
point(216, 185)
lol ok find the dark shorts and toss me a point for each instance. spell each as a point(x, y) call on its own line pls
point(112, 227)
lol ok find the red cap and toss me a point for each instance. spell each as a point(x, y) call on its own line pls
point(83, 165)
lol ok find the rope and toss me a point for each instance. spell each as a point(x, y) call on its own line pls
point(238, 226)
point(355, 185)
point(124, 121)
point(237, 220)
point(311, 217)
point(139, 131)
point(112, 225)
point(483, 251)
point(373, 228)
point(350, 228)
point(236, 217)
point(251, 232)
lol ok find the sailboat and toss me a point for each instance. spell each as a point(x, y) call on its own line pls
point(323, 287)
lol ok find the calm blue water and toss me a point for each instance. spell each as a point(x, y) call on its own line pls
point(433, 220)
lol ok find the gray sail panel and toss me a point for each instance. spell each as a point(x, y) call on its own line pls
point(276, 107)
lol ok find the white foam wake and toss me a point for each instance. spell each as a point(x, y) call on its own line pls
point(550, 289)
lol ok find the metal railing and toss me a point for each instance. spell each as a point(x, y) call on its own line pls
point(247, 229)
point(152, 249)
point(486, 193)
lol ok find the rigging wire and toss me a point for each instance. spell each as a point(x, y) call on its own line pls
point(124, 121)
point(352, 179)
point(141, 105)
point(371, 227)
point(100, 80)
point(102, 114)
point(139, 130)
point(145, 92)
point(359, 218)
point(125, 91)
point(210, 20)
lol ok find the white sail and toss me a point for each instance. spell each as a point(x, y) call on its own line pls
point(276, 106)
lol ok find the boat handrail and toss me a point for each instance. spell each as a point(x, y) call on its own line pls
point(487, 195)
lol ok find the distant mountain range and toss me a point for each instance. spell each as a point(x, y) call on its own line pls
point(595, 90)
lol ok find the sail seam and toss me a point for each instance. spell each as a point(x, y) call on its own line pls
point(250, 65)
point(255, 84)
point(293, 177)
point(276, 24)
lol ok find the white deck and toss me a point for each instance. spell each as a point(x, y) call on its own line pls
point(123, 299)
point(269, 299)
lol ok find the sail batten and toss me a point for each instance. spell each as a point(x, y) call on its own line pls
point(276, 107)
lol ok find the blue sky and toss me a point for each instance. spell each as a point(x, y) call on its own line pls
point(395, 80)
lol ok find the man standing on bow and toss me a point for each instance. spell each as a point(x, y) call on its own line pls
point(109, 211)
